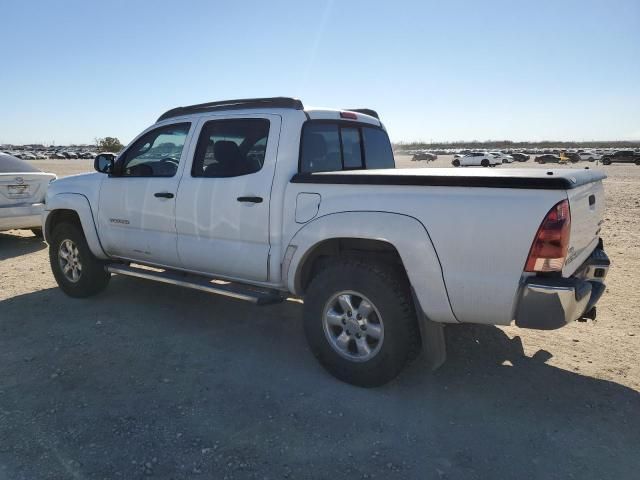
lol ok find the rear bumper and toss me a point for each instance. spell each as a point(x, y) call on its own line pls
point(21, 216)
point(547, 303)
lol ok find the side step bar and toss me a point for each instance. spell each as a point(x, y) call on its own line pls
point(205, 284)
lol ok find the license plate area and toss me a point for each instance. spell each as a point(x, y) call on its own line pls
point(18, 190)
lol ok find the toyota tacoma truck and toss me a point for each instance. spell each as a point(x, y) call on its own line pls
point(264, 199)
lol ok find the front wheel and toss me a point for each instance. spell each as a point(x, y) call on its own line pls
point(360, 322)
point(484, 163)
point(606, 161)
point(76, 270)
point(456, 163)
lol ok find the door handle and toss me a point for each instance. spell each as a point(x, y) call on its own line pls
point(163, 195)
point(250, 199)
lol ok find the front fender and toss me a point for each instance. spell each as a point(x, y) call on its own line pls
point(405, 233)
point(79, 204)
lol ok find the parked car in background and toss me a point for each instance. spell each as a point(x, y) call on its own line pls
point(547, 158)
point(503, 157)
point(429, 157)
point(520, 157)
point(476, 159)
point(621, 156)
point(60, 156)
point(589, 156)
point(573, 157)
point(22, 191)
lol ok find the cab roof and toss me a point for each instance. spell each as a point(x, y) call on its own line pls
point(269, 102)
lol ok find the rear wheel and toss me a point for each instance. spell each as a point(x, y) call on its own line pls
point(484, 163)
point(360, 322)
point(637, 162)
point(606, 161)
point(76, 270)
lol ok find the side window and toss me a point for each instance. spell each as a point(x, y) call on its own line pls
point(377, 148)
point(231, 148)
point(157, 153)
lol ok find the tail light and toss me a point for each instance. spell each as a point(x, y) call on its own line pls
point(549, 249)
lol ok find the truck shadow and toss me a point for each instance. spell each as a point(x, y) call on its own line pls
point(150, 363)
point(15, 245)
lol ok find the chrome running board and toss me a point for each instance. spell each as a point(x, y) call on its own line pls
point(256, 295)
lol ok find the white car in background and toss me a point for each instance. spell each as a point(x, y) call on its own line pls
point(503, 157)
point(22, 192)
point(590, 156)
point(476, 159)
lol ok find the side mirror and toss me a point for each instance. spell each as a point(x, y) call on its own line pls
point(103, 163)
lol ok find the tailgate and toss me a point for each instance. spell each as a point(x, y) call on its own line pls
point(587, 208)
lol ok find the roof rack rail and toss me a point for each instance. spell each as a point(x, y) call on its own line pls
point(366, 111)
point(272, 102)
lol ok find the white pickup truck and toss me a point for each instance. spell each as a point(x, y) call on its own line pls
point(262, 199)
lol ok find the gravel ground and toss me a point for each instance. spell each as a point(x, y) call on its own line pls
point(151, 380)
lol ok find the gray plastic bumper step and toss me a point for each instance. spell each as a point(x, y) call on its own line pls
point(211, 285)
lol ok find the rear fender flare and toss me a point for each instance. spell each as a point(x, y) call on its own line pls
point(407, 234)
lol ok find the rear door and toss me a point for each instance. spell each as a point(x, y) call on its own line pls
point(222, 211)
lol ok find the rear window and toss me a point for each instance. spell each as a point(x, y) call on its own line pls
point(332, 146)
point(377, 148)
point(11, 164)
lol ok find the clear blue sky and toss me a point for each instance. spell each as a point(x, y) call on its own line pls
point(435, 70)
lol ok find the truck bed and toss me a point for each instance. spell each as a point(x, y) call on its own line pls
point(529, 178)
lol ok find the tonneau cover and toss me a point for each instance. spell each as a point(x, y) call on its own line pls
point(533, 178)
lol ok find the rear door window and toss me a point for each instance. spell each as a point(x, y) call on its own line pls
point(231, 148)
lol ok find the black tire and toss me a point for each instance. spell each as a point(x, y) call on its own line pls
point(484, 163)
point(637, 162)
point(456, 163)
point(92, 279)
point(388, 290)
point(606, 161)
point(542, 161)
point(37, 232)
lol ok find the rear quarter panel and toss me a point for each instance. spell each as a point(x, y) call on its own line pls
point(482, 236)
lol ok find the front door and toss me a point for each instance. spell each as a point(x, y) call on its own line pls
point(137, 204)
point(222, 211)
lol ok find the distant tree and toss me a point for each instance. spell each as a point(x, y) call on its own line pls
point(108, 144)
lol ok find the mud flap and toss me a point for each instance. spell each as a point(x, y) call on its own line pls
point(434, 345)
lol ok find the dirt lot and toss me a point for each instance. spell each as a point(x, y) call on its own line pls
point(154, 380)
